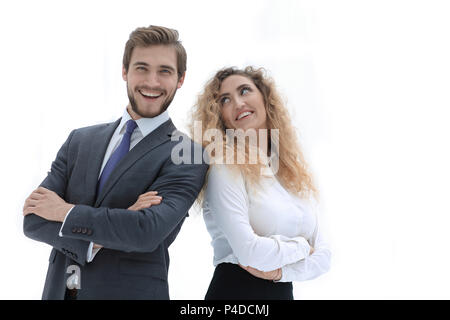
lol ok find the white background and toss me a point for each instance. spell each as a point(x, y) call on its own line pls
point(367, 83)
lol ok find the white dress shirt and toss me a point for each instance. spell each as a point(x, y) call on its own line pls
point(266, 228)
point(144, 127)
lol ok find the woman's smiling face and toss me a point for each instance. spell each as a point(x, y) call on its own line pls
point(242, 104)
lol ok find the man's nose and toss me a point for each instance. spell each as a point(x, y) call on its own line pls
point(153, 79)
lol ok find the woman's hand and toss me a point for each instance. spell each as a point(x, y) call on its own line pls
point(269, 275)
point(146, 200)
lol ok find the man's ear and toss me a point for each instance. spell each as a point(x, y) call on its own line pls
point(124, 74)
point(181, 80)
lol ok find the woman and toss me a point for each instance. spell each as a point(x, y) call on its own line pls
point(263, 224)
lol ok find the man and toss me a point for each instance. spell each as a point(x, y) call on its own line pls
point(109, 232)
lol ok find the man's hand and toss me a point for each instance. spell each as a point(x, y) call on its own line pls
point(146, 200)
point(46, 204)
point(269, 275)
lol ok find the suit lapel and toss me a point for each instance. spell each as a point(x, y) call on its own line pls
point(97, 149)
point(151, 141)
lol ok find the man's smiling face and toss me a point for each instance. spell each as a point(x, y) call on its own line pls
point(152, 80)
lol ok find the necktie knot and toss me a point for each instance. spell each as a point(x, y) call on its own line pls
point(131, 125)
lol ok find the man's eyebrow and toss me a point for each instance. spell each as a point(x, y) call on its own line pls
point(140, 63)
point(167, 67)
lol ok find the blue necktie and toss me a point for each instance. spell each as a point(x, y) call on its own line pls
point(117, 155)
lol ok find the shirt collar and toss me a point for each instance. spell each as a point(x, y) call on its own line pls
point(145, 125)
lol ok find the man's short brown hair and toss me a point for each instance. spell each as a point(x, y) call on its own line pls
point(155, 35)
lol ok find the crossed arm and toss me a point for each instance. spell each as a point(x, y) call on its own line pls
point(128, 230)
point(51, 207)
point(45, 209)
point(274, 257)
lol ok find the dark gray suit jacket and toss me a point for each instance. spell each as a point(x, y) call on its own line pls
point(134, 261)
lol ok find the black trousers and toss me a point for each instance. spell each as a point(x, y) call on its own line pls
point(231, 282)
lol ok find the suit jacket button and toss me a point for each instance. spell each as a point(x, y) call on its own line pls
point(79, 230)
point(74, 229)
point(89, 232)
point(83, 231)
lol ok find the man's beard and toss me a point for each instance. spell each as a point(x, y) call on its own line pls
point(134, 106)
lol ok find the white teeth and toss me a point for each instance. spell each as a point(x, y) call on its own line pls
point(244, 114)
point(151, 95)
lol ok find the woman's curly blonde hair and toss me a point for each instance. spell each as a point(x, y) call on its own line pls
point(292, 171)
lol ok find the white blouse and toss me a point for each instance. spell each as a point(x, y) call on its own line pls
point(266, 228)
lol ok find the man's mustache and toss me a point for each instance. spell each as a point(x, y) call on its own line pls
point(161, 90)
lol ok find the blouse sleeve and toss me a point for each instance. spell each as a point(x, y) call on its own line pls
point(227, 200)
point(313, 265)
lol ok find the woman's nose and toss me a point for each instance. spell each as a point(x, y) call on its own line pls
point(239, 103)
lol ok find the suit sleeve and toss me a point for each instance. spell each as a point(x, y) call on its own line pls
point(143, 230)
point(40, 229)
